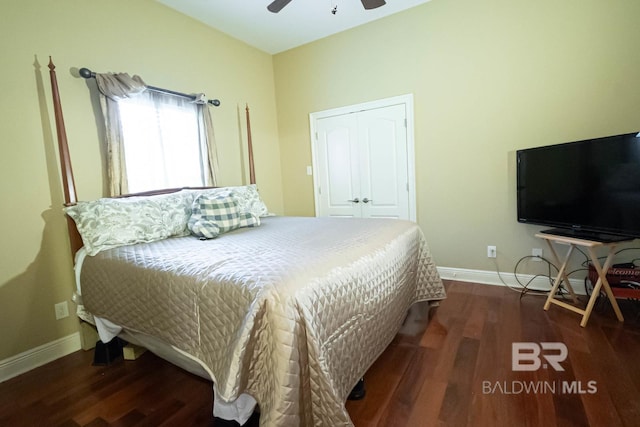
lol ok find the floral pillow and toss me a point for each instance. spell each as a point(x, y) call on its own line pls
point(214, 214)
point(249, 200)
point(108, 223)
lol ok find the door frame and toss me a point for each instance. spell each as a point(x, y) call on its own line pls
point(407, 101)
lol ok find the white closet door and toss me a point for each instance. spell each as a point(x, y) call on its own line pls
point(361, 163)
point(382, 146)
point(338, 174)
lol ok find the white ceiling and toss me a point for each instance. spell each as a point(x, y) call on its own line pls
point(300, 22)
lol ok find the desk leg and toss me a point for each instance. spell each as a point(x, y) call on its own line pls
point(561, 275)
point(602, 282)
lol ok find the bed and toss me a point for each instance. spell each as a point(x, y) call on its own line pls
point(291, 312)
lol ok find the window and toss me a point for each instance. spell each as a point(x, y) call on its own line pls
point(163, 142)
point(154, 139)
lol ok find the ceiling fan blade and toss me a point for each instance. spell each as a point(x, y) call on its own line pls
point(372, 4)
point(277, 5)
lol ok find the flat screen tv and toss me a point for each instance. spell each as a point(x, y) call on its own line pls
point(587, 189)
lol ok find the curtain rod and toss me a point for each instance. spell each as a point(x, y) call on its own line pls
point(88, 74)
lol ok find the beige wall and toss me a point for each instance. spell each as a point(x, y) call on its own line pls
point(143, 37)
point(488, 78)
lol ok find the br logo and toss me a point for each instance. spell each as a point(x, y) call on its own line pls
point(530, 356)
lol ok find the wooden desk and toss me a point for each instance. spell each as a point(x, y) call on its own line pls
point(590, 245)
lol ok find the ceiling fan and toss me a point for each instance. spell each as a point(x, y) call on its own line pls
point(277, 5)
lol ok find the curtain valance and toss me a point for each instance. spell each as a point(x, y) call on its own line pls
point(117, 86)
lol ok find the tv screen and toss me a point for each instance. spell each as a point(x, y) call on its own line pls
point(587, 188)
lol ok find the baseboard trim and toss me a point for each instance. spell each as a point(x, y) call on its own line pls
point(504, 279)
point(41, 355)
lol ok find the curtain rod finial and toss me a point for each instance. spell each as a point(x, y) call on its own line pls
point(86, 73)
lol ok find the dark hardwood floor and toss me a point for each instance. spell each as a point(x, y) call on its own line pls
point(449, 366)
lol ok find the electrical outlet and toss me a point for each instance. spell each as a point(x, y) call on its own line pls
point(62, 310)
point(491, 251)
point(537, 254)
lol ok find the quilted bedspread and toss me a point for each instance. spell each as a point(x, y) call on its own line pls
point(292, 312)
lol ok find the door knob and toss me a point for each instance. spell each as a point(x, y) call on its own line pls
point(356, 200)
point(365, 200)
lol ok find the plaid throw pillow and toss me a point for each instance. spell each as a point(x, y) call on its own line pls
point(248, 219)
point(213, 215)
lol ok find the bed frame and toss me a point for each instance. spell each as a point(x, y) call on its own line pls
point(68, 181)
point(157, 346)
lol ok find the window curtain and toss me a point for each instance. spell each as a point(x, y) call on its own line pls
point(116, 87)
point(208, 139)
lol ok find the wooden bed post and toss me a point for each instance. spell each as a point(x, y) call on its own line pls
point(68, 182)
point(88, 334)
point(252, 171)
